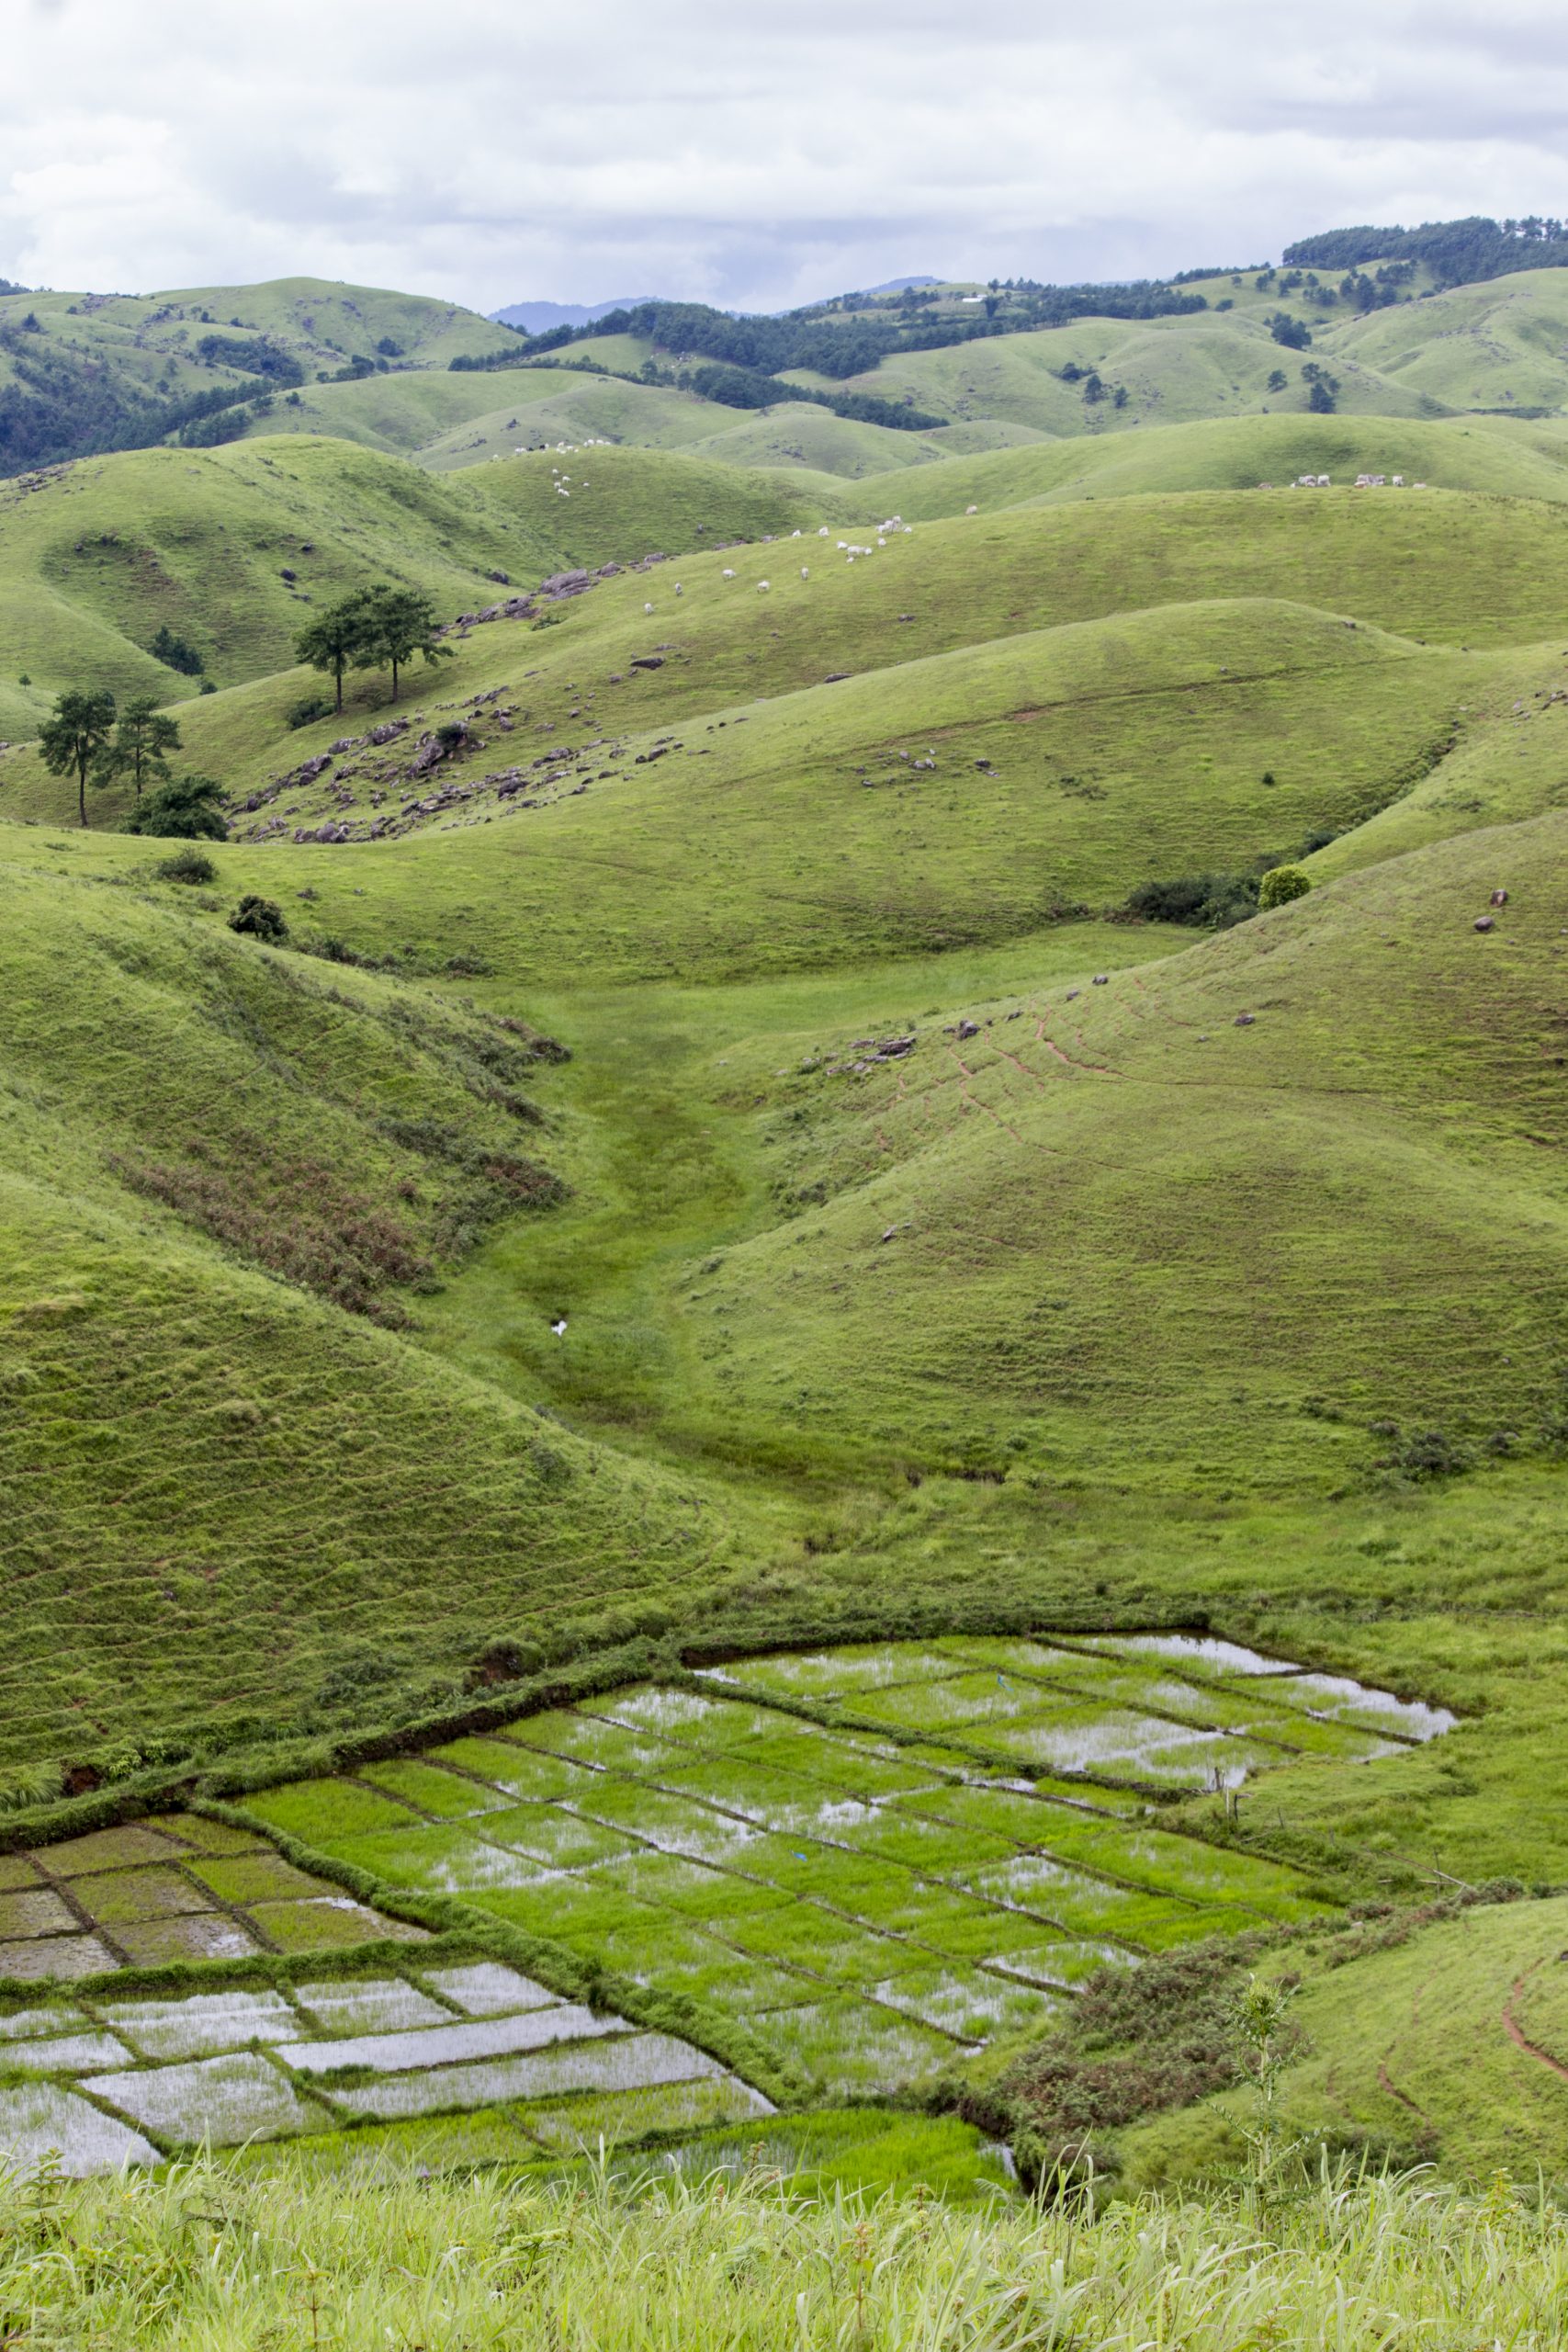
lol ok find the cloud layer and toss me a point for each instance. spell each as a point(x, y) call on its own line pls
point(497, 152)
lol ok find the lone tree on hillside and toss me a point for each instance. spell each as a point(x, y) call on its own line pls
point(190, 810)
point(397, 623)
point(334, 639)
point(76, 735)
point(143, 737)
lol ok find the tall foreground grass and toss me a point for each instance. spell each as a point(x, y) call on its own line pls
point(208, 2260)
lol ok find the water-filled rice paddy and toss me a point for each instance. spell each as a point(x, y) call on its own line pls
point(110, 2082)
point(876, 1860)
point(946, 1845)
point(181, 1888)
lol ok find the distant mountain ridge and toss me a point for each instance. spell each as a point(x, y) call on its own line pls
point(537, 317)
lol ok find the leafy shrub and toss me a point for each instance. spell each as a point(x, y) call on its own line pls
point(1426, 1453)
point(1279, 886)
point(187, 865)
point(259, 918)
point(1204, 902)
point(300, 713)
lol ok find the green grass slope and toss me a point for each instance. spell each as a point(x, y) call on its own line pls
point(966, 797)
point(1446, 567)
point(1240, 453)
point(1450, 2043)
point(222, 1484)
point(1173, 371)
point(153, 340)
point(1166, 1231)
point(1495, 345)
point(96, 557)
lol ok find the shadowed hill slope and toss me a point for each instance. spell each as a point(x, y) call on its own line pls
point(221, 1488)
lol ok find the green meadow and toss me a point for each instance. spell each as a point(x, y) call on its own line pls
point(782, 1366)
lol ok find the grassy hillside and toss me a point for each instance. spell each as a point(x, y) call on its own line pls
point(1172, 370)
point(222, 1168)
point(1113, 1200)
point(1505, 458)
point(1497, 345)
point(915, 1243)
point(1447, 2042)
point(81, 373)
point(1462, 570)
point(970, 795)
point(233, 548)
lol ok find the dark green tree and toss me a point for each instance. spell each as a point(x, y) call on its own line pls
point(188, 809)
point(143, 737)
point(176, 653)
point(76, 735)
point(334, 639)
point(1320, 400)
point(397, 624)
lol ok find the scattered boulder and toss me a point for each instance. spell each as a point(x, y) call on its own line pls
point(1486, 923)
point(1245, 1020)
point(1499, 898)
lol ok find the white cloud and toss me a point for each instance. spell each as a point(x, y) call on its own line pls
point(494, 152)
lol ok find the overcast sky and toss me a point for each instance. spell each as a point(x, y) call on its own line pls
point(752, 155)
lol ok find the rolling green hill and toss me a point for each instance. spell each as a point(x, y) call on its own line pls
point(1497, 345)
point(732, 1157)
point(231, 1180)
point(81, 373)
point(231, 549)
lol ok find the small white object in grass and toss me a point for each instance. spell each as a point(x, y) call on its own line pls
point(559, 1327)
point(42, 2119)
point(761, 584)
point(487, 1989)
point(971, 510)
point(823, 532)
point(726, 574)
point(678, 588)
point(648, 608)
point(805, 572)
point(224, 2101)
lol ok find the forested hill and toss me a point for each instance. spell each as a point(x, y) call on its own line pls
point(86, 374)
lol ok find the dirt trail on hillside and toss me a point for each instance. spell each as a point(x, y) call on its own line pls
point(1515, 2032)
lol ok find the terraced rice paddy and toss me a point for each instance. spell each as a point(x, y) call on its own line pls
point(934, 1854)
point(175, 1889)
point(108, 2082)
point(878, 1861)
